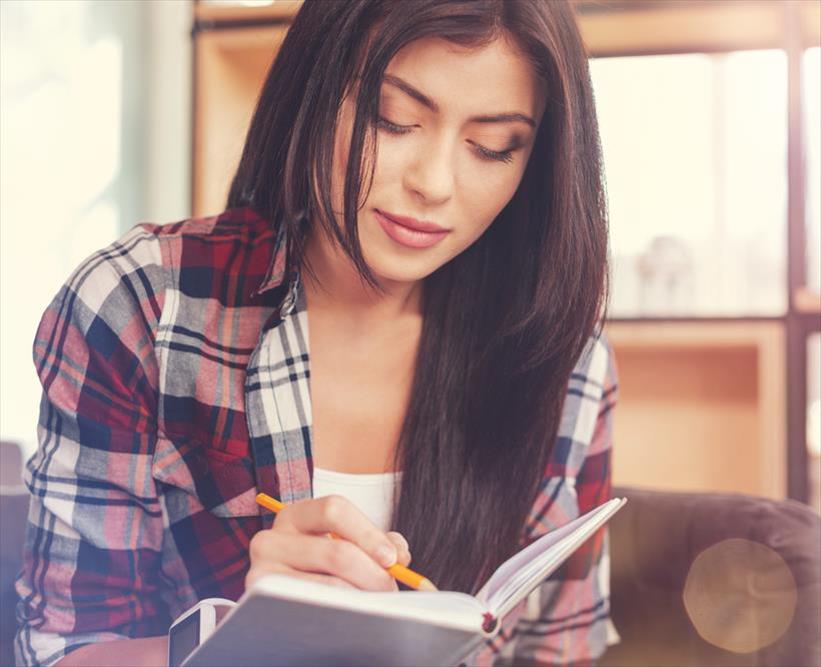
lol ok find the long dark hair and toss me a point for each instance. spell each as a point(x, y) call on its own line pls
point(507, 319)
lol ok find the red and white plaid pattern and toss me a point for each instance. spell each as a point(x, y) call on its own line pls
point(174, 366)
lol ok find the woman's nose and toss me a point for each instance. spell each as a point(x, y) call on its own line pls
point(431, 174)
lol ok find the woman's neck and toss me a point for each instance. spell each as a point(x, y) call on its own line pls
point(337, 289)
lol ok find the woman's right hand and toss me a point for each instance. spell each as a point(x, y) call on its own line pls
point(298, 545)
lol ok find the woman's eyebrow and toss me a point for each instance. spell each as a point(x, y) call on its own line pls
point(423, 99)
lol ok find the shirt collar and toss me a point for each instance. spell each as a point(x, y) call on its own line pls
point(275, 275)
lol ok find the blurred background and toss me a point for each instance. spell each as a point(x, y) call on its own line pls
point(116, 112)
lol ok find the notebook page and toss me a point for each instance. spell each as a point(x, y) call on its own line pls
point(532, 558)
point(524, 581)
point(528, 578)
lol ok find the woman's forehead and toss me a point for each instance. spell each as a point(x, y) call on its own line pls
point(494, 78)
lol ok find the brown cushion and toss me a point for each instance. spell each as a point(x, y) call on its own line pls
point(754, 586)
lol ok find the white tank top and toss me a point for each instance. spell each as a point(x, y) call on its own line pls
point(371, 493)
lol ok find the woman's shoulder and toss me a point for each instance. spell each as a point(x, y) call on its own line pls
point(151, 257)
point(595, 373)
point(134, 273)
point(591, 394)
point(199, 236)
point(242, 222)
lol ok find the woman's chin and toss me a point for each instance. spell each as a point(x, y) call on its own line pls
point(390, 268)
point(394, 276)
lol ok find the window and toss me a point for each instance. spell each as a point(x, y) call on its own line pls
point(697, 214)
point(65, 175)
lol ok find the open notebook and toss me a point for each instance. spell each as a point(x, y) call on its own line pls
point(282, 620)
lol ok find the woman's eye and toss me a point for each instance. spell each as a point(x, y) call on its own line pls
point(501, 156)
point(485, 153)
point(393, 128)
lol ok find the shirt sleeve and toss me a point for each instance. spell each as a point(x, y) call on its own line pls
point(94, 534)
point(566, 621)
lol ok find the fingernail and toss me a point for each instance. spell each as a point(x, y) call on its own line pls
point(386, 555)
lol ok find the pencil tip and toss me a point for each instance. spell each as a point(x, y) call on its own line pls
point(427, 585)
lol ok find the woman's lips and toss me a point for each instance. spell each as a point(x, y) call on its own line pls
point(410, 238)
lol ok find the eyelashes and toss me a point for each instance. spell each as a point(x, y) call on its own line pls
point(487, 154)
point(392, 128)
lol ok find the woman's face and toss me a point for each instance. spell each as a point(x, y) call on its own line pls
point(441, 156)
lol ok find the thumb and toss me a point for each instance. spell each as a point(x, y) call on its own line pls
point(401, 544)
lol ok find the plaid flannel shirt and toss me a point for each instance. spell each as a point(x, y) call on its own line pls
point(174, 365)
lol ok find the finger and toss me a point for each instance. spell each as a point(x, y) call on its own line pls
point(326, 579)
point(335, 514)
point(401, 545)
point(398, 539)
point(318, 554)
point(256, 573)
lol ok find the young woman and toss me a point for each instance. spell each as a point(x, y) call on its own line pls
point(419, 207)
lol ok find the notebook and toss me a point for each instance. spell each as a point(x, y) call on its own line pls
point(282, 620)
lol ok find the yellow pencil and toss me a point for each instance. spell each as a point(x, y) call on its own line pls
point(397, 571)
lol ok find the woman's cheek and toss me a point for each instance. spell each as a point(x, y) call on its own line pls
point(498, 192)
point(390, 161)
point(487, 196)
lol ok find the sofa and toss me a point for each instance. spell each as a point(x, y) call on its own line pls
point(714, 579)
point(707, 579)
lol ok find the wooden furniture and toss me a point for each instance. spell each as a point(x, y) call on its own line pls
point(701, 406)
point(703, 403)
point(230, 65)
